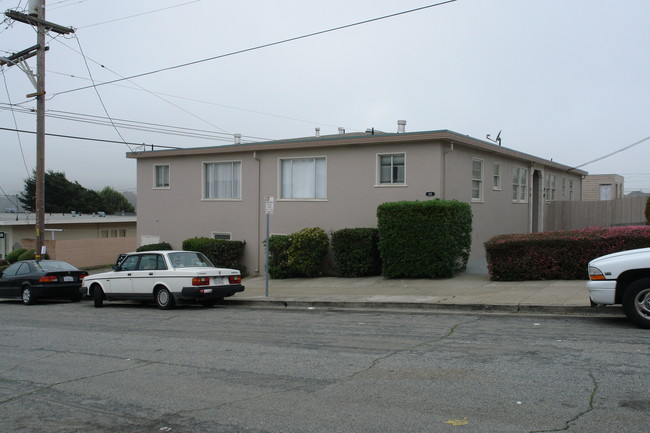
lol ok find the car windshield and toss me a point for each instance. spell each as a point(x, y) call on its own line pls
point(53, 266)
point(189, 260)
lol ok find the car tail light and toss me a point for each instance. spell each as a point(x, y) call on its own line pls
point(235, 279)
point(82, 276)
point(200, 281)
point(48, 279)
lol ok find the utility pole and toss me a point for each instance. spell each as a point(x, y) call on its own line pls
point(37, 17)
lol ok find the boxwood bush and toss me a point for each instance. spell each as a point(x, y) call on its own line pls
point(222, 253)
point(155, 247)
point(427, 239)
point(558, 255)
point(356, 252)
point(299, 254)
point(15, 254)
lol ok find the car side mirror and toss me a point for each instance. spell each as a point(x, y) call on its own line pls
point(116, 268)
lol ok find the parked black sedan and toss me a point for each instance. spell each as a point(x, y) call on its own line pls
point(31, 280)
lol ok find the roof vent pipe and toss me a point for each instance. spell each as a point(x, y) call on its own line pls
point(237, 138)
point(401, 126)
point(317, 132)
point(341, 130)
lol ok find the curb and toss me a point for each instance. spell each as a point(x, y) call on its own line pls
point(425, 307)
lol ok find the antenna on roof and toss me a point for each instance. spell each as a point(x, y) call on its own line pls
point(496, 140)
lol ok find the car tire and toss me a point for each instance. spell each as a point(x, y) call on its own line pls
point(636, 303)
point(98, 297)
point(27, 296)
point(164, 299)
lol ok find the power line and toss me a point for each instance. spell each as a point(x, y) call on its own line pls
point(20, 143)
point(613, 153)
point(259, 47)
point(101, 140)
point(140, 14)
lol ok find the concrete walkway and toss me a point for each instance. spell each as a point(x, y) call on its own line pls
point(462, 292)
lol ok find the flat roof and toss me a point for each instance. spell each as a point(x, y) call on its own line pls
point(355, 139)
point(22, 219)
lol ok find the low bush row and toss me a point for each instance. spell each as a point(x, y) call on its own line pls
point(560, 255)
point(224, 254)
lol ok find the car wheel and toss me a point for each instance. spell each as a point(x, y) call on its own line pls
point(636, 303)
point(164, 299)
point(28, 299)
point(98, 297)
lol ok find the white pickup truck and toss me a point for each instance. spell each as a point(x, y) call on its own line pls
point(623, 278)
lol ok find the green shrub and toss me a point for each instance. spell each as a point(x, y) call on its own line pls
point(356, 252)
point(279, 257)
point(307, 249)
point(559, 255)
point(31, 255)
point(426, 239)
point(299, 254)
point(222, 253)
point(13, 256)
point(155, 247)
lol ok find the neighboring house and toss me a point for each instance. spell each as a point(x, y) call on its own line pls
point(337, 181)
point(602, 187)
point(82, 240)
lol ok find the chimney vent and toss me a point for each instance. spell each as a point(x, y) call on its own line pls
point(317, 132)
point(401, 126)
point(237, 138)
point(341, 130)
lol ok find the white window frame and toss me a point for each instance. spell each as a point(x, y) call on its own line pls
point(317, 177)
point(549, 187)
point(477, 182)
point(496, 176)
point(221, 235)
point(161, 185)
point(234, 193)
point(519, 185)
point(392, 181)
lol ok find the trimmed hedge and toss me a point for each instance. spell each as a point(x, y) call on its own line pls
point(559, 255)
point(427, 239)
point(356, 252)
point(155, 247)
point(222, 253)
point(299, 254)
point(31, 255)
point(15, 254)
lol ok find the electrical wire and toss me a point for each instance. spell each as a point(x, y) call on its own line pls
point(259, 47)
point(101, 101)
point(140, 14)
point(101, 140)
point(613, 153)
point(20, 143)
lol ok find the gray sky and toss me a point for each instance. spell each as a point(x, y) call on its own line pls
point(567, 80)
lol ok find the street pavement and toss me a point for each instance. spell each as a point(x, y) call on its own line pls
point(466, 291)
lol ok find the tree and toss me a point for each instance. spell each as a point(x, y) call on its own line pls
point(61, 195)
point(114, 201)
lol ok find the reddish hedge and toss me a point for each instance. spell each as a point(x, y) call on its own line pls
point(560, 255)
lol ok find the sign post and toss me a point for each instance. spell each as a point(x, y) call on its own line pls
point(269, 203)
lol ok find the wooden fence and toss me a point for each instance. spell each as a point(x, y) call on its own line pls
point(573, 215)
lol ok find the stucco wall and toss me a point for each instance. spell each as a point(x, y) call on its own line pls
point(86, 253)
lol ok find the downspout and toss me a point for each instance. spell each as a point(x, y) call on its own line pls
point(259, 210)
point(444, 170)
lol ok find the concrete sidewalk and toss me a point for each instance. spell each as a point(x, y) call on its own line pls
point(462, 292)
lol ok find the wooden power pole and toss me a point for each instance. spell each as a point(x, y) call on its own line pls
point(42, 26)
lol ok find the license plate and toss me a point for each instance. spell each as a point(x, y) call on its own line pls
point(68, 278)
point(207, 291)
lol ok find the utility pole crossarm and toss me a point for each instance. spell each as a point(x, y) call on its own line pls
point(34, 21)
point(21, 55)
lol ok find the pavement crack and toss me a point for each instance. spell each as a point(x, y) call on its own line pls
point(76, 379)
point(590, 407)
point(376, 361)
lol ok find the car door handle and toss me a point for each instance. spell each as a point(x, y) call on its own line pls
point(150, 273)
point(128, 275)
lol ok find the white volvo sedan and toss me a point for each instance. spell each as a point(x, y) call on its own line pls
point(164, 277)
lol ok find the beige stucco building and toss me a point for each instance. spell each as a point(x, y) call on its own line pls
point(337, 181)
point(602, 187)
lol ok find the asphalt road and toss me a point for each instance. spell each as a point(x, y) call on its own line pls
point(130, 368)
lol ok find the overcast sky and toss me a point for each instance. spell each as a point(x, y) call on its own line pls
point(567, 80)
